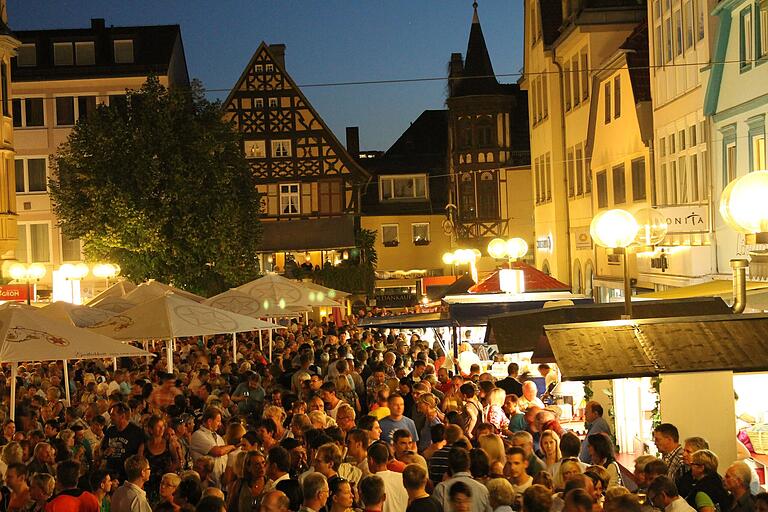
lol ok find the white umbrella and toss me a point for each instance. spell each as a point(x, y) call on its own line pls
point(288, 292)
point(329, 292)
point(28, 335)
point(152, 289)
point(239, 302)
point(119, 289)
point(171, 316)
point(80, 316)
point(113, 304)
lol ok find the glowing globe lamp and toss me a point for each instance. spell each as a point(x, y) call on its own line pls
point(516, 248)
point(744, 203)
point(497, 248)
point(613, 229)
point(652, 227)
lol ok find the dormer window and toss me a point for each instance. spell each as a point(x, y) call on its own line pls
point(410, 187)
point(270, 68)
point(123, 51)
point(27, 56)
point(259, 68)
point(85, 53)
point(63, 54)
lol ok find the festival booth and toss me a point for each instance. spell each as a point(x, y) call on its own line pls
point(27, 334)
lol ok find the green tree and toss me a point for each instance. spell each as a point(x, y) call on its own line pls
point(160, 185)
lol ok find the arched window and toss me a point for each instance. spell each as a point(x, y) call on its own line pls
point(488, 196)
point(589, 287)
point(467, 208)
point(576, 279)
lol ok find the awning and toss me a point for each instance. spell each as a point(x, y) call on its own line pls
point(415, 321)
point(521, 331)
point(308, 234)
point(642, 348)
point(719, 288)
point(472, 313)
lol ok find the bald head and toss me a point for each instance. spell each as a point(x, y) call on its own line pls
point(737, 478)
point(275, 501)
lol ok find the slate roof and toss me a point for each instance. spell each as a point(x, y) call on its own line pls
point(551, 20)
point(637, 62)
point(477, 77)
point(422, 148)
point(153, 48)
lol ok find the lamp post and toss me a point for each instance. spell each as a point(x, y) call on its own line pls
point(27, 274)
point(74, 273)
point(106, 271)
point(616, 230)
point(744, 208)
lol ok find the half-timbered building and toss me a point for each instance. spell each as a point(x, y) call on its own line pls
point(310, 184)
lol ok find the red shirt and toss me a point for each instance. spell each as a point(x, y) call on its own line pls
point(73, 500)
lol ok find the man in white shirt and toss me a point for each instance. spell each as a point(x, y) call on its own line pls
point(519, 478)
point(205, 441)
point(131, 497)
point(397, 496)
point(663, 494)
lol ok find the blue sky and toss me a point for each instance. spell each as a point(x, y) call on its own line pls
point(328, 41)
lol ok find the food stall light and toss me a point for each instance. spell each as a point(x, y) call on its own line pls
point(512, 280)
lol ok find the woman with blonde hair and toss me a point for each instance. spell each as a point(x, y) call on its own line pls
point(41, 487)
point(276, 414)
point(494, 447)
point(550, 446)
point(494, 414)
point(568, 469)
point(346, 392)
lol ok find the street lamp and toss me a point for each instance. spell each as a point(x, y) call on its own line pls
point(744, 208)
point(616, 230)
point(72, 273)
point(27, 274)
point(106, 271)
point(510, 280)
point(464, 257)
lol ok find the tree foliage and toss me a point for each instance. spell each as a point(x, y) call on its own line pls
point(159, 185)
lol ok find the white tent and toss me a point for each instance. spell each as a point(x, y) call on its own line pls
point(329, 292)
point(278, 289)
point(238, 302)
point(119, 289)
point(29, 335)
point(113, 304)
point(80, 316)
point(152, 289)
point(172, 316)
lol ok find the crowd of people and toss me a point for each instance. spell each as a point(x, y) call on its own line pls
point(340, 419)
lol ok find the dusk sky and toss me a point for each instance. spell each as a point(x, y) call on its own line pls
point(328, 41)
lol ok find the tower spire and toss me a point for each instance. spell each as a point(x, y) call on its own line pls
point(475, 18)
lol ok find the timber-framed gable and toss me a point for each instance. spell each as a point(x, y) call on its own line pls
point(288, 144)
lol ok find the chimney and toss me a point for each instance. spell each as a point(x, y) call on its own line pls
point(455, 69)
point(97, 23)
point(353, 141)
point(278, 53)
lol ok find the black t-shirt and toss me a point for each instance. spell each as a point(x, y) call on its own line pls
point(425, 504)
point(123, 444)
point(511, 386)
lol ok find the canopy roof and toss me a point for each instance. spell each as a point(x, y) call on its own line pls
point(757, 292)
point(535, 280)
point(80, 316)
point(475, 309)
point(152, 289)
point(639, 348)
point(415, 321)
point(243, 304)
point(280, 290)
point(521, 331)
point(29, 335)
point(173, 316)
point(329, 292)
point(119, 289)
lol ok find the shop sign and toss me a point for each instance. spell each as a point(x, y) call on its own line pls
point(13, 292)
point(396, 300)
point(544, 244)
point(582, 238)
point(686, 219)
